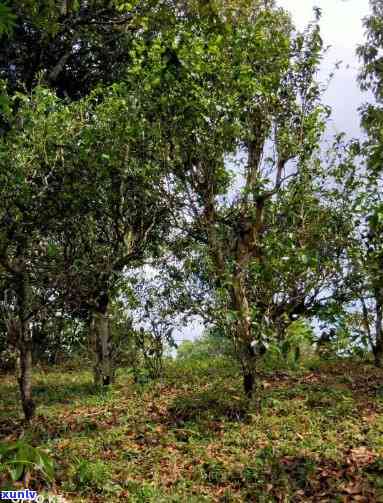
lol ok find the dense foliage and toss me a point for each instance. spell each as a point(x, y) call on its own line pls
point(162, 163)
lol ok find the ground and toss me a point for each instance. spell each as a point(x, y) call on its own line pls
point(310, 435)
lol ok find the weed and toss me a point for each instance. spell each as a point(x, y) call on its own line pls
point(87, 474)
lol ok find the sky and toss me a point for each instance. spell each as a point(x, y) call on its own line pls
point(342, 29)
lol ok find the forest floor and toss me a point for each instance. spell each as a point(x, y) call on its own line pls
point(310, 435)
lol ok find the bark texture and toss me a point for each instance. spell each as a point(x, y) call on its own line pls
point(101, 345)
point(20, 332)
point(20, 337)
point(25, 381)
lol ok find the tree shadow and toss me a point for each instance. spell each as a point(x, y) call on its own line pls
point(207, 406)
point(48, 394)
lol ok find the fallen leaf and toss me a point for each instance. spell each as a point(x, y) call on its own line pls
point(351, 488)
point(361, 456)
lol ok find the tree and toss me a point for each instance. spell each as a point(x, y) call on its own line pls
point(127, 217)
point(365, 255)
point(73, 45)
point(240, 88)
point(122, 201)
point(371, 78)
point(27, 265)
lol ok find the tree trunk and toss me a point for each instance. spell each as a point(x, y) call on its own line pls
point(101, 346)
point(248, 383)
point(25, 380)
point(20, 333)
point(249, 366)
point(244, 334)
point(378, 349)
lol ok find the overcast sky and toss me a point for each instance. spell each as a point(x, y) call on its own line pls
point(341, 28)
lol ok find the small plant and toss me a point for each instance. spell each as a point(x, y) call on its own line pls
point(214, 471)
point(90, 474)
point(19, 460)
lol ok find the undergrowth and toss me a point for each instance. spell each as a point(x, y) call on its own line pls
point(309, 434)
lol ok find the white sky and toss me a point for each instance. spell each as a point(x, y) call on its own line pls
point(341, 28)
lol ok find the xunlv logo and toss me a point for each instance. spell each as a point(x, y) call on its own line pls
point(24, 495)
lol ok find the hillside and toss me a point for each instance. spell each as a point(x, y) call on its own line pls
point(308, 435)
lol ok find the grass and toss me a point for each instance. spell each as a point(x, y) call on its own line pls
point(309, 435)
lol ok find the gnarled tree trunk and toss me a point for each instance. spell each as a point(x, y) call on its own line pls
point(244, 333)
point(249, 371)
point(25, 379)
point(19, 335)
point(101, 344)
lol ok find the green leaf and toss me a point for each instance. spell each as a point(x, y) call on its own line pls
point(16, 471)
point(45, 464)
